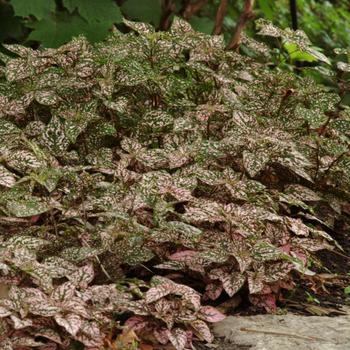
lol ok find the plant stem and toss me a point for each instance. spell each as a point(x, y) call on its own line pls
point(191, 9)
point(245, 16)
point(293, 14)
point(168, 8)
point(219, 18)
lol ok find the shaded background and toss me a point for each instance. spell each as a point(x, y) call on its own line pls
point(50, 23)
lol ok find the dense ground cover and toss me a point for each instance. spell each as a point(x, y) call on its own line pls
point(148, 176)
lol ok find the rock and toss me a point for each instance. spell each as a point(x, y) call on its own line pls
point(287, 332)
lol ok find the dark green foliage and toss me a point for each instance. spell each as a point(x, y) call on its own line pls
point(54, 22)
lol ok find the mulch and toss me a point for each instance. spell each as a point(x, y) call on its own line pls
point(325, 291)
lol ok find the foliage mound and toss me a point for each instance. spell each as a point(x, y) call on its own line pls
point(147, 176)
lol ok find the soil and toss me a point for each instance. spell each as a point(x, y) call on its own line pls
point(221, 344)
point(324, 294)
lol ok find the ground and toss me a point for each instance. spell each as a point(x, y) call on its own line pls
point(315, 316)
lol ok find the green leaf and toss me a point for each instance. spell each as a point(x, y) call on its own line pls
point(254, 162)
point(55, 31)
point(296, 54)
point(48, 178)
point(202, 24)
point(26, 207)
point(347, 290)
point(10, 26)
point(266, 9)
point(79, 254)
point(54, 136)
point(103, 11)
point(7, 179)
point(7, 128)
point(17, 69)
point(71, 5)
point(318, 55)
point(145, 10)
point(38, 8)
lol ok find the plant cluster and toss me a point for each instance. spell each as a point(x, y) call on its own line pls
point(146, 176)
point(325, 22)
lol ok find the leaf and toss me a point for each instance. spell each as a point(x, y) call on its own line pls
point(24, 161)
point(40, 276)
point(180, 26)
point(145, 11)
point(266, 9)
point(106, 11)
point(297, 226)
point(278, 271)
point(58, 30)
point(141, 28)
point(10, 24)
point(8, 128)
point(7, 179)
point(79, 254)
point(50, 334)
point(318, 55)
point(25, 341)
point(255, 281)
point(183, 255)
point(345, 67)
point(27, 207)
point(210, 314)
point(4, 312)
point(83, 276)
point(77, 306)
point(302, 193)
point(91, 328)
point(296, 55)
point(202, 24)
point(267, 28)
point(161, 335)
point(171, 265)
point(58, 267)
point(341, 125)
point(43, 307)
point(188, 294)
point(89, 342)
point(19, 323)
point(48, 178)
point(38, 8)
point(233, 282)
point(158, 292)
point(263, 251)
point(6, 344)
point(239, 250)
point(203, 331)
point(254, 162)
point(47, 97)
point(54, 136)
point(206, 211)
point(70, 322)
point(17, 69)
point(188, 233)
point(28, 242)
point(64, 292)
point(178, 338)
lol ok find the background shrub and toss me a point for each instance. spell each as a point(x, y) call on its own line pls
point(52, 23)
